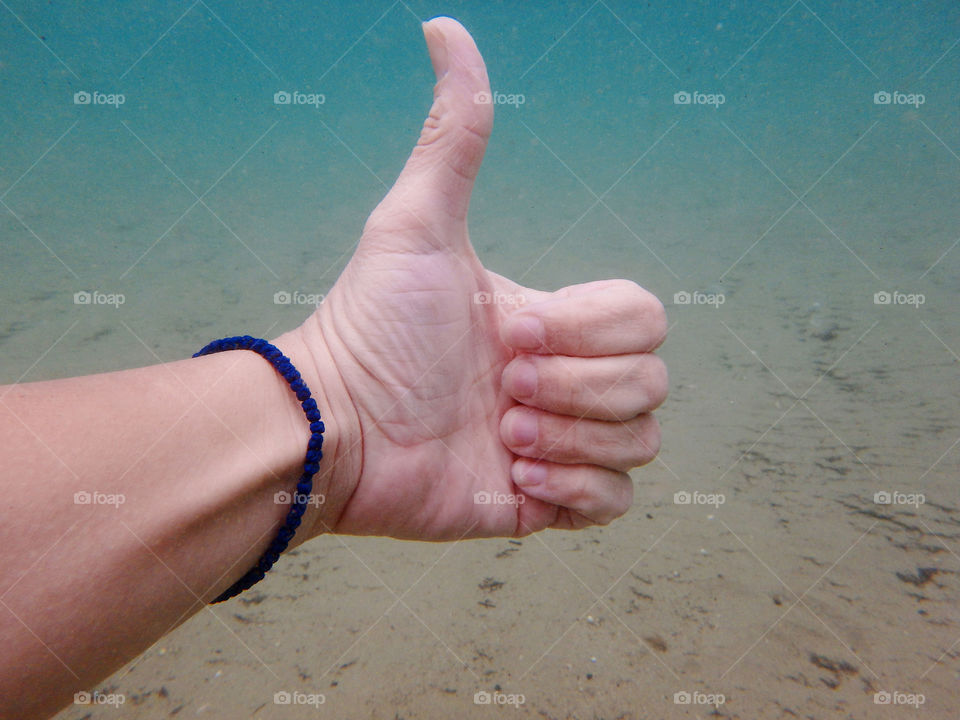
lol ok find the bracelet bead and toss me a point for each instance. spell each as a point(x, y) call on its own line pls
point(311, 463)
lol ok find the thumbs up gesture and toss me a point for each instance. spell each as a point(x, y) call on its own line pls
point(466, 405)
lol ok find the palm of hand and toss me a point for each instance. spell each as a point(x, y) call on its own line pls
point(423, 360)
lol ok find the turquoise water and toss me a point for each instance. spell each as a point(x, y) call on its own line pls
point(805, 202)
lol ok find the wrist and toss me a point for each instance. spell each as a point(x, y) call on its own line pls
point(340, 465)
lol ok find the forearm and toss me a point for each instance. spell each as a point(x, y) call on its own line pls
point(130, 500)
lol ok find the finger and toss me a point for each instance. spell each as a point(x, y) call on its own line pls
point(562, 439)
point(610, 317)
point(592, 495)
point(427, 207)
point(617, 387)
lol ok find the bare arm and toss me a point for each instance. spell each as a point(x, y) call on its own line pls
point(132, 498)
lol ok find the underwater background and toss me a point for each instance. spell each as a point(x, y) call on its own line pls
point(784, 176)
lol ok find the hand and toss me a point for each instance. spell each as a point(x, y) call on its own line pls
point(433, 390)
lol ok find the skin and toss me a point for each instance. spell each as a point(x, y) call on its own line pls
point(428, 397)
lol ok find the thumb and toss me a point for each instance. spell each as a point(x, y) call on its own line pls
point(428, 203)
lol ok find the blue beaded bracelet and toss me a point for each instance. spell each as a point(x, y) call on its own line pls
point(282, 365)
